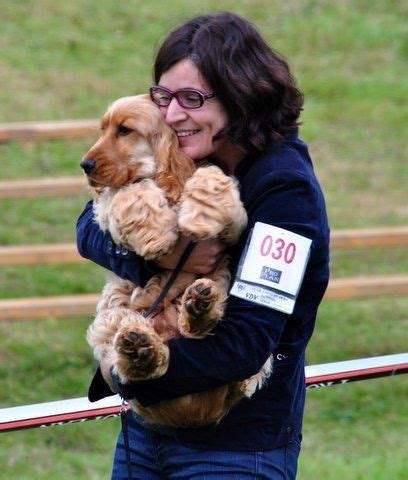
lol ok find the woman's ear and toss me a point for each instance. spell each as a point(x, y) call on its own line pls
point(173, 166)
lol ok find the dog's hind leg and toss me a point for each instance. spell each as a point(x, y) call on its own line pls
point(143, 298)
point(103, 329)
point(116, 293)
point(140, 353)
point(203, 303)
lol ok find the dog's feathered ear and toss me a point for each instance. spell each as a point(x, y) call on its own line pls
point(173, 166)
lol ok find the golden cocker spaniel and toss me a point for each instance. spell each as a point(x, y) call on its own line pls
point(147, 193)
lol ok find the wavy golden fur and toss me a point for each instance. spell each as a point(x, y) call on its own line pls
point(146, 191)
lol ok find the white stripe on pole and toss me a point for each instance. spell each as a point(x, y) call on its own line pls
point(80, 409)
point(353, 365)
point(59, 407)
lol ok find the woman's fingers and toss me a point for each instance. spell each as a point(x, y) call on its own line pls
point(205, 256)
point(202, 260)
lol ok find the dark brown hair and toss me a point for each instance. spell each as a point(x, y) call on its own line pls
point(252, 81)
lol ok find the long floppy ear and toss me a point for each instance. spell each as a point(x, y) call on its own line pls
point(173, 166)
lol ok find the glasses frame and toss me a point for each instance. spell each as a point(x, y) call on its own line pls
point(202, 96)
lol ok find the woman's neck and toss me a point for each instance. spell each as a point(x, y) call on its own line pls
point(228, 157)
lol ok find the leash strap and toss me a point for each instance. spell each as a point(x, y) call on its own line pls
point(170, 281)
point(125, 431)
point(173, 276)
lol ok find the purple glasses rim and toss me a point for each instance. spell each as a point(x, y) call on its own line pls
point(203, 96)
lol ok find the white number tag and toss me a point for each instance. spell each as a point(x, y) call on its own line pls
point(272, 267)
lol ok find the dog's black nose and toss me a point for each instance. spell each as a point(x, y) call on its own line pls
point(88, 164)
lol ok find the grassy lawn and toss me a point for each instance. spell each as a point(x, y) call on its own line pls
point(67, 60)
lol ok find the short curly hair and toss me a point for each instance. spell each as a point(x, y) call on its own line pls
point(252, 81)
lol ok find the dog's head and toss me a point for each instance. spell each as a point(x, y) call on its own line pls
point(136, 143)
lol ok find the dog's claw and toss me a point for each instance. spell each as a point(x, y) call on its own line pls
point(144, 352)
point(189, 307)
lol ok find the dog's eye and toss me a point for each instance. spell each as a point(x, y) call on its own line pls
point(123, 131)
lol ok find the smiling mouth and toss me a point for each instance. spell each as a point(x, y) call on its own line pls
point(186, 133)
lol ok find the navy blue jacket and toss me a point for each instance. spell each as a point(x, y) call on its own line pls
point(279, 188)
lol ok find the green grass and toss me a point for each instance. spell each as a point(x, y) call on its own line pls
point(67, 60)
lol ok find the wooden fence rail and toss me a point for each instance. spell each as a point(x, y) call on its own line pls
point(45, 254)
point(51, 254)
point(369, 238)
point(43, 187)
point(84, 305)
point(28, 131)
point(71, 186)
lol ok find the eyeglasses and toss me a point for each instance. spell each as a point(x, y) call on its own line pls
point(186, 97)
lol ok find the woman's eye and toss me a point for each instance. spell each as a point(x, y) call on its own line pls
point(163, 97)
point(191, 100)
point(123, 131)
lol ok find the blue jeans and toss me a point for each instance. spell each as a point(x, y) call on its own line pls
point(158, 456)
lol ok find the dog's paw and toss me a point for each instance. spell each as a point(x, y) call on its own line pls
point(200, 297)
point(135, 345)
point(201, 309)
point(140, 353)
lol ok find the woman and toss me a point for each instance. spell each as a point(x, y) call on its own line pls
point(240, 111)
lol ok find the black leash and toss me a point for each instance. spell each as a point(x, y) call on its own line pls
point(173, 276)
point(164, 292)
point(125, 432)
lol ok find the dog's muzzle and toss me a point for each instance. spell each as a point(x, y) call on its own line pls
point(88, 164)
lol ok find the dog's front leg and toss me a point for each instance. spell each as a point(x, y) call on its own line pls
point(210, 206)
point(141, 218)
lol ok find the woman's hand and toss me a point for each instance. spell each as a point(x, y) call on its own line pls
point(202, 260)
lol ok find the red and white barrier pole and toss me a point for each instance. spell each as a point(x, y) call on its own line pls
point(336, 373)
point(80, 409)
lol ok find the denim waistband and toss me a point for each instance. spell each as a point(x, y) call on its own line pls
point(154, 427)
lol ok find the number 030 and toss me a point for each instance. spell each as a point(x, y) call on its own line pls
point(278, 249)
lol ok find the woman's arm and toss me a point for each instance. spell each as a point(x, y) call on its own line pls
point(249, 333)
point(98, 246)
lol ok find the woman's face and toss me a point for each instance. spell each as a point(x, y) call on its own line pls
point(195, 128)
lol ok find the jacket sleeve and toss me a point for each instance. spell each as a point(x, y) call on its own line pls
point(98, 246)
point(248, 333)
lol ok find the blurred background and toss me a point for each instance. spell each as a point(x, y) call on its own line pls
point(69, 60)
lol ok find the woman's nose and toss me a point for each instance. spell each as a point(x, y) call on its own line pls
point(174, 112)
